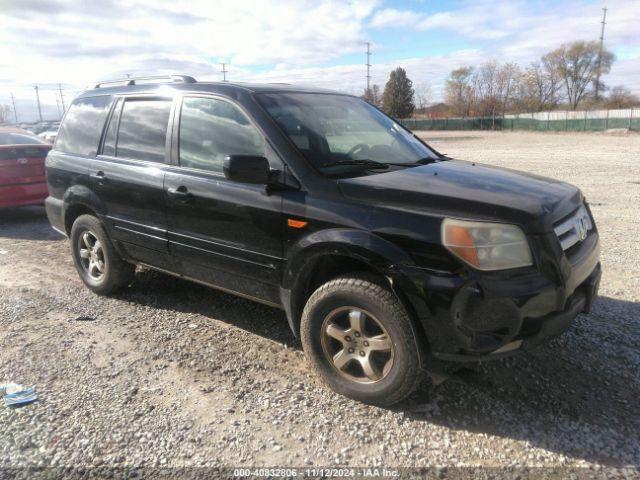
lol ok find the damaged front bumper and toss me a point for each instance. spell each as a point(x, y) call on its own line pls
point(474, 316)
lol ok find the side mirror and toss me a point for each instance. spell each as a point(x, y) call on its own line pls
point(247, 169)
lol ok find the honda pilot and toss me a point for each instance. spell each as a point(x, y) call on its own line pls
point(387, 257)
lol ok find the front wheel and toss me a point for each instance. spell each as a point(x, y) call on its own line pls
point(96, 260)
point(361, 341)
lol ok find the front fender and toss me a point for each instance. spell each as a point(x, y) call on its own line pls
point(382, 255)
point(386, 258)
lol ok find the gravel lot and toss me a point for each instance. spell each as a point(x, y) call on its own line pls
point(174, 374)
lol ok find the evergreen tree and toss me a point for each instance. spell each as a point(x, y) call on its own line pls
point(397, 100)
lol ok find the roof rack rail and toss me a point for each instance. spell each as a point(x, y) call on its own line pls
point(134, 80)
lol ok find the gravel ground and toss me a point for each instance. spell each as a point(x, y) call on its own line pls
point(174, 374)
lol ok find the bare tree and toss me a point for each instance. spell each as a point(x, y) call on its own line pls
point(373, 95)
point(495, 87)
point(486, 88)
point(538, 88)
point(460, 91)
point(423, 95)
point(621, 97)
point(576, 65)
point(508, 78)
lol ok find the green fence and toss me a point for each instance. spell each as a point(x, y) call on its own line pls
point(542, 121)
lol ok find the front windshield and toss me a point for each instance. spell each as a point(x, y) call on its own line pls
point(333, 131)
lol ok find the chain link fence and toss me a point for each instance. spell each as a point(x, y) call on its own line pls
point(558, 121)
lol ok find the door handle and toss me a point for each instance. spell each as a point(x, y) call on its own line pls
point(99, 177)
point(181, 194)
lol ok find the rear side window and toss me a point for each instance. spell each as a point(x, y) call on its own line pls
point(211, 129)
point(143, 130)
point(82, 126)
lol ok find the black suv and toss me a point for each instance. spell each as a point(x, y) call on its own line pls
point(386, 256)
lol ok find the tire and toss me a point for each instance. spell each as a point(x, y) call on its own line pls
point(96, 260)
point(362, 294)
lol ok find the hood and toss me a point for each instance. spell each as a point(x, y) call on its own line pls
point(467, 190)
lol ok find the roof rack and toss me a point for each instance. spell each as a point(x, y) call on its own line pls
point(135, 80)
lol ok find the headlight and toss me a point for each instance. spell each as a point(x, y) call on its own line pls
point(486, 246)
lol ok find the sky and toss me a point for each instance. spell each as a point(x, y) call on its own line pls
point(74, 43)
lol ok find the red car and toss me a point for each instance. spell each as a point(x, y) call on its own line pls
point(22, 180)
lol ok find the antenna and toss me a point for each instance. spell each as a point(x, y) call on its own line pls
point(224, 72)
point(603, 22)
point(368, 65)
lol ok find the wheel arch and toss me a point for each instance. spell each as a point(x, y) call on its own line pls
point(328, 254)
point(79, 200)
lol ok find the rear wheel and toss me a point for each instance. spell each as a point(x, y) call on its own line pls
point(96, 260)
point(361, 341)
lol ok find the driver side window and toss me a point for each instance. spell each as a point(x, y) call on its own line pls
point(211, 129)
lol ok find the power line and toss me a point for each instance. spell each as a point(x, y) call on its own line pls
point(64, 109)
point(38, 98)
point(603, 22)
point(368, 65)
point(224, 72)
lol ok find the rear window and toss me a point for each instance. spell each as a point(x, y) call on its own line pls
point(143, 130)
point(13, 138)
point(82, 126)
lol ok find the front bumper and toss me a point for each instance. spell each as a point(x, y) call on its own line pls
point(540, 330)
point(473, 316)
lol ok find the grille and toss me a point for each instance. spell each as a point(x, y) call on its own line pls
point(574, 229)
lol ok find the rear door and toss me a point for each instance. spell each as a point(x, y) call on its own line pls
point(128, 177)
point(221, 232)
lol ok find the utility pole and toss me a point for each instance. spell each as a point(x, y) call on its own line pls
point(64, 109)
point(603, 22)
point(38, 98)
point(224, 72)
point(15, 112)
point(368, 65)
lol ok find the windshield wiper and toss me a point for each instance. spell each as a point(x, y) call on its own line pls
point(357, 163)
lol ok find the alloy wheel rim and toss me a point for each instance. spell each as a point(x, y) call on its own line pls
point(91, 255)
point(357, 345)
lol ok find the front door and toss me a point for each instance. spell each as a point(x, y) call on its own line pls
point(221, 232)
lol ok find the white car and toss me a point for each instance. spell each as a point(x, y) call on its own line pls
point(49, 136)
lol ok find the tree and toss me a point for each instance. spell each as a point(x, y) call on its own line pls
point(495, 88)
point(576, 64)
point(6, 115)
point(423, 95)
point(397, 100)
point(460, 91)
point(372, 95)
point(538, 88)
point(621, 97)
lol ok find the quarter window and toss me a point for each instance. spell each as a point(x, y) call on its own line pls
point(211, 129)
point(82, 126)
point(143, 130)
